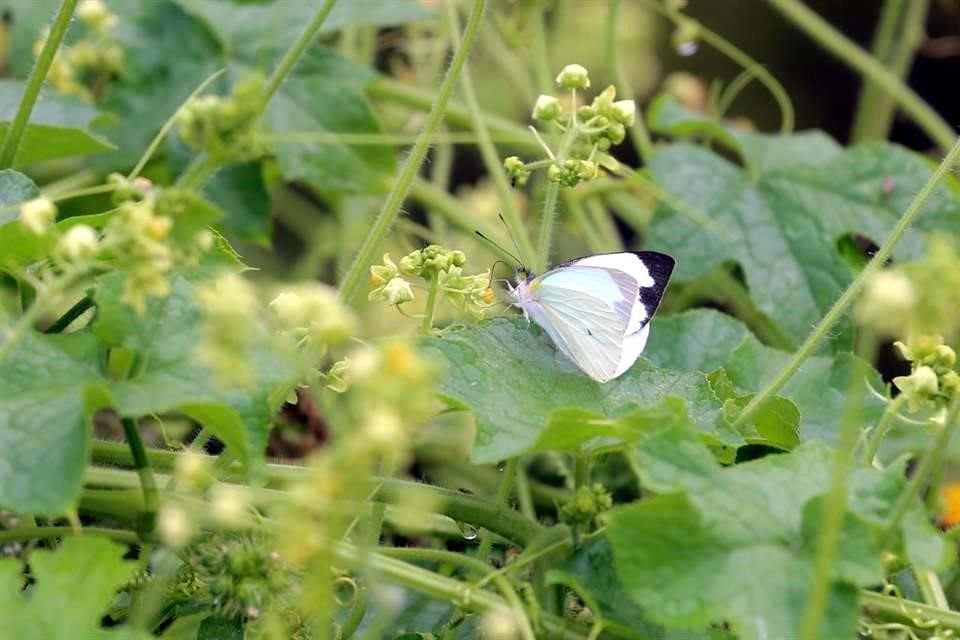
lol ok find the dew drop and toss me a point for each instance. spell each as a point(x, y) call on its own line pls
point(468, 531)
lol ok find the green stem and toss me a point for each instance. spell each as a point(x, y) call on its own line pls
point(74, 312)
point(875, 109)
point(457, 114)
point(638, 132)
point(930, 588)
point(297, 49)
point(18, 126)
point(835, 503)
point(352, 281)
point(444, 589)
point(883, 426)
point(353, 621)
point(197, 172)
point(546, 226)
point(508, 202)
point(538, 45)
point(142, 465)
point(503, 496)
point(45, 533)
point(579, 216)
point(524, 495)
point(846, 299)
point(908, 610)
point(931, 458)
point(506, 523)
point(438, 555)
point(172, 120)
point(854, 56)
point(431, 307)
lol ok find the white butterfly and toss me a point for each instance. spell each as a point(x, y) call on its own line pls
point(597, 309)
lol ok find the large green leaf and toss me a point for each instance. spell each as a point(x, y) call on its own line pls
point(169, 378)
point(323, 93)
point(737, 544)
point(74, 587)
point(704, 340)
point(45, 409)
point(58, 126)
point(514, 380)
point(783, 224)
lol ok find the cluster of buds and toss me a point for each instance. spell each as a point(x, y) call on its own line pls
point(439, 267)
point(229, 306)
point(242, 575)
point(226, 128)
point(933, 379)
point(587, 504)
point(83, 67)
point(311, 313)
point(589, 131)
point(151, 231)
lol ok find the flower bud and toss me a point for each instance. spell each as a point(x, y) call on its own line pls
point(37, 215)
point(625, 112)
point(498, 624)
point(290, 309)
point(174, 527)
point(228, 505)
point(573, 76)
point(79, 243)
point(685, 37)
point(96, 15)
point(887, 302)
point(397, 291)
point(546, 108)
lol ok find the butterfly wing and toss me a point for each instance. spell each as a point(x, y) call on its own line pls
point(650, 269)
point(586, 311)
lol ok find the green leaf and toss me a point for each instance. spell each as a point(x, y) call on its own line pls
point(217, 628)
point(513, 379)
point(45, 411)
point(57, 606)
point(760, 152)
point(14, 189)
point(168, 54)
point(690, 556)
point(775, 226)
point(704, 339)
point(169, 378)
point(58, 126)
point(775, 423)
point(322, 94)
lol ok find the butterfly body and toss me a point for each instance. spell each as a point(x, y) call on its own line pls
point(597, 309)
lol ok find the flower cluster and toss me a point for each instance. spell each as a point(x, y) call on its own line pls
point(84, 67)
point(588, 132)
point(932, 378)
point(226, 128)
point(587, 504)
point(440, 268)
point(229, 306)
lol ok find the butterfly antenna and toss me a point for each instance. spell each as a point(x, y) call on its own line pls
point(498, 247)
point(512, 239)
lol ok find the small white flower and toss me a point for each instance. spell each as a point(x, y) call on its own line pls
point(291, 310)
point(78, 243)
point(383, 429)
point(498, 624)
point(174, 527)
point(546, 108)
point(38, 214)
point(625, 112)
point(573, 76)
point(397, 291)
point(229, 504)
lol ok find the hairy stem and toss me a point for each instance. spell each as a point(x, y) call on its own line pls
point(352, 280)
point(854, 56)
point(546, 226)
point(491, 159)
point(896, 608)
point(18, 126)
point(431, 308)
point(296, 50)
point(835, 503)
point(846, 299)
point(883, 426)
